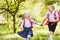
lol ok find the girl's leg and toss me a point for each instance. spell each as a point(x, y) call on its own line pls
point(51, 29)
point(51, 35)
point(25, 38)
point(28, 37)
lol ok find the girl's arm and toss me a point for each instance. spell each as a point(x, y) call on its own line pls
point(43, 21)
point(35, 22)
point(45, 17)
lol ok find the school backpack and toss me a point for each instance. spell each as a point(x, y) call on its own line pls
point(30, 23)
point(47, 21)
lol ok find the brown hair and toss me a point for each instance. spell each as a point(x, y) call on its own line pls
point(21, 16)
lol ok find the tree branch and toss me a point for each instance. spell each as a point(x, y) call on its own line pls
point(8, 7)
point(2, 12)
point(17, 8)
point(6, 10)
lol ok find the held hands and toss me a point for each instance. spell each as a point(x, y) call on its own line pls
point(41, 24)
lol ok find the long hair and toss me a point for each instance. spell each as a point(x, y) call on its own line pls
point(21, 16)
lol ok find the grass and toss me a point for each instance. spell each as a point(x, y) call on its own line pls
point(40, 33)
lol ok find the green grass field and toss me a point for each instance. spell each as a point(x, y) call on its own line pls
point(37, 36)
point(40, 33)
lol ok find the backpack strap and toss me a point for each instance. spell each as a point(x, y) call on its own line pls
point(47, 21)
point(23, 23)
point(48, 15)
point(31, 22)
point(55, 15)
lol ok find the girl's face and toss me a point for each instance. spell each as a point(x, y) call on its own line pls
point(26, 15)
point(50, 9)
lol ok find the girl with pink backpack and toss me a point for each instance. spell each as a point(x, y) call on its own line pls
point(26, 26)
point(52, 19)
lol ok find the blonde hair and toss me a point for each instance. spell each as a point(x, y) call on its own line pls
point(26, 14)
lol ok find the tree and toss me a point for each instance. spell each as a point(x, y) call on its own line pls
point(12, 7)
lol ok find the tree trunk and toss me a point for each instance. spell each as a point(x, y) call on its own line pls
point(7, 22)
point(14, 28)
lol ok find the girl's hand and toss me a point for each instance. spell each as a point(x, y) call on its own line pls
point(22, 28)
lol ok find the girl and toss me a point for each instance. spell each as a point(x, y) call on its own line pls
point(52, 17)
point(27, 26)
